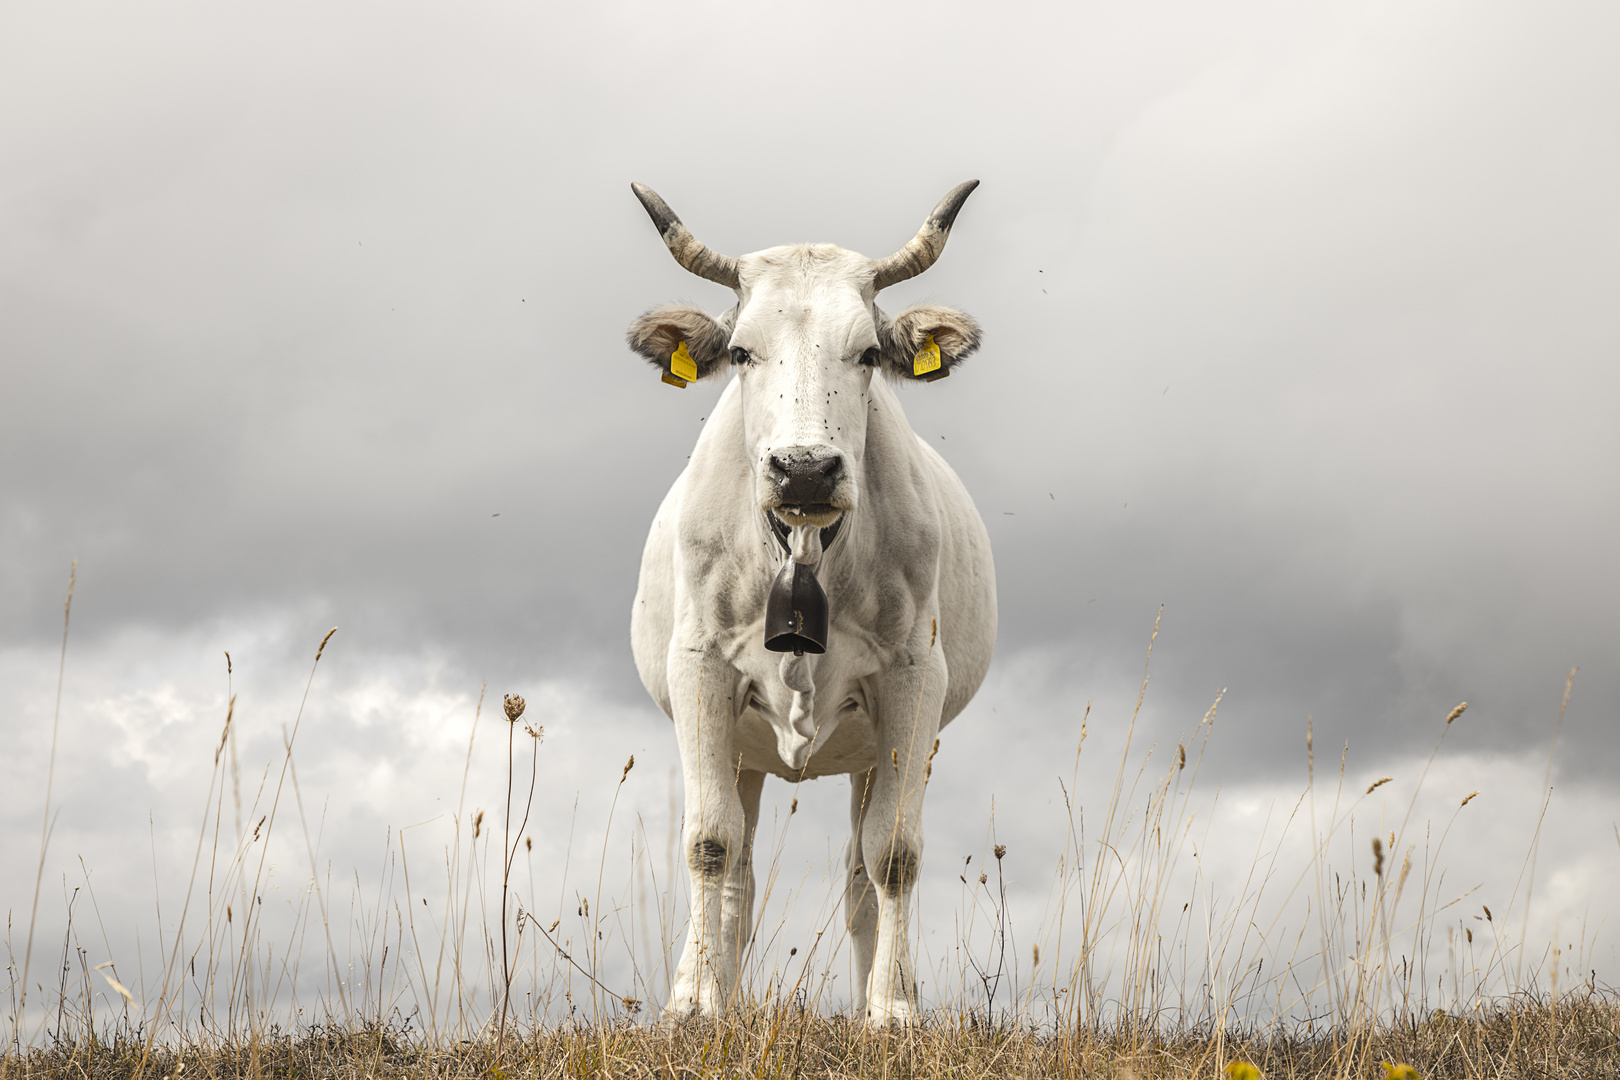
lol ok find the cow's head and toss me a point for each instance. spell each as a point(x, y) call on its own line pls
point(806, 337)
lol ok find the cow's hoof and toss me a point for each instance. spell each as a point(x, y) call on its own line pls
point(686, 1009)
point(900, 1013)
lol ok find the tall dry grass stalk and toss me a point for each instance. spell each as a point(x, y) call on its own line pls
point(45, 817)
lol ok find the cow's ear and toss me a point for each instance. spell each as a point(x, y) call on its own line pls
point(658, 335)
point(925, 342)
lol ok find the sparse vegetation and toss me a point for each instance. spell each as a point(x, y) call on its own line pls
point(1135, 969)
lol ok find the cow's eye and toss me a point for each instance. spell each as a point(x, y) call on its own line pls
point(870, 357)
point(741, 356)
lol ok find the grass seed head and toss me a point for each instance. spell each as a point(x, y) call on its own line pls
point(1468, 798)
point(1376, 784)
point(1452, 715)
point(1378, 857)
point(478, 824)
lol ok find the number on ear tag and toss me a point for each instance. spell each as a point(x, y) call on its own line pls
point(926, 360)
point(681, 364)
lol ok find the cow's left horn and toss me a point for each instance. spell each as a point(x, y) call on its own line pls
point(924, 248)
point(688, 250)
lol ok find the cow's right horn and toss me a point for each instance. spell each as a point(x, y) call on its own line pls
point(688, 250)
point(923, 249)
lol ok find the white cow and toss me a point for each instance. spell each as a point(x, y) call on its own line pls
point(808, 456)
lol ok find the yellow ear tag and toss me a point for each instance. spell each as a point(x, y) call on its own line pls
point(927, 359)
point(681, 364)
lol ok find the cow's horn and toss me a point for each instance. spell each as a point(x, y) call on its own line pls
point(924, 248)
point(688, 250)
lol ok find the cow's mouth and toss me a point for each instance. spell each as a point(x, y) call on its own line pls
point(818, 514)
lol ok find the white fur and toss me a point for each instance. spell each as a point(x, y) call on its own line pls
point(911, 587)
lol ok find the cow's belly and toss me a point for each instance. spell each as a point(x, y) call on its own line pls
point(851, 748)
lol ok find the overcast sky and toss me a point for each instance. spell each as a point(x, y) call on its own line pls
point(1300, 322)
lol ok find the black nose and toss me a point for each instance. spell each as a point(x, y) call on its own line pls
point(805, 475)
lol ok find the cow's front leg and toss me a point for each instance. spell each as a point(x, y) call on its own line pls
point(910, 700)
point(720, 803)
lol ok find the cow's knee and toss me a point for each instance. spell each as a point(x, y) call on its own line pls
point(707, 858)
point(897, 871)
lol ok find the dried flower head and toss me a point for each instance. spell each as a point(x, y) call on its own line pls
point(528, 843)
point(627, 767)
point(514, 708)
point(536, 731)
point(1468, 798)
point(1181, 757)
point(322, 649)
point(1001, 849)
point(983, 878)
point(1487, 913)
point(1452, 715)
point(1376, 784)
point(478, 824)
point(1378, 857)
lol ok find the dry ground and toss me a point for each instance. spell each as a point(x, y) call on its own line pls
point(1577, 1038)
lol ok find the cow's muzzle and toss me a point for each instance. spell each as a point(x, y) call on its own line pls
point(806, 483)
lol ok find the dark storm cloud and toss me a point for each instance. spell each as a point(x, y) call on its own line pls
point(1297, 326)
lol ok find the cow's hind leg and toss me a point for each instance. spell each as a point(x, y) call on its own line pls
point(860, 901)
point(737, 892)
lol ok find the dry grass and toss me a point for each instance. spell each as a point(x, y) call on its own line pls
point(1136, 968)
point(1577, 1038)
